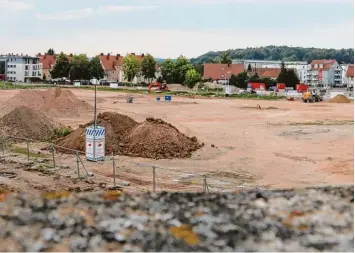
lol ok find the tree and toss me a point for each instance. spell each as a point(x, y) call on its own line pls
point(79, 67)
point(131, 67)
point(50, 52)
point(148, 67)
point(44, 77)
point(225, 58)
point(61, 67)
point(182, 65)
point(233, 80)
point(2, 67)
point(192, 78)
point(249, 68)
point(242, 80)
point(96, 70)
point(168, 70)
point(288, 77)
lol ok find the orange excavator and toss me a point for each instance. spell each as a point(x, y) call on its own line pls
point(158, 87)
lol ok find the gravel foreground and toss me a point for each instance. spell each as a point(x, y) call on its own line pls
point(314, 219)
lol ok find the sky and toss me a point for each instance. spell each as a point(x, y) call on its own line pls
point(169, 28)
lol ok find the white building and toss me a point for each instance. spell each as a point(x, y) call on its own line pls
point(343, 74)
point(300, 67)
point(21, 68)
point(324, 73)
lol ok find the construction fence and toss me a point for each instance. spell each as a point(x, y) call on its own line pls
point(115, 170)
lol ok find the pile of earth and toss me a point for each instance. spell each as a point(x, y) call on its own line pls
point(24, 122)
point(53, 102)
point(157, 139)
point(340, 99)
point(153, 138)
point(116, 125)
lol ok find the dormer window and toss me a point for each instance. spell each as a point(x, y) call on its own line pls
point(320, 66)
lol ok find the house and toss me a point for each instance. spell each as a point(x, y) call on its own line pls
point(113, 67)
point(272, 73)
point(350, 76)
point(324, 73)
point(19, 68)
point(219, 71)
point(48, 62)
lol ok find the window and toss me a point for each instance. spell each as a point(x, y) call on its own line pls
point(34, 73)
point(26, 67)
point(35, 67)
point(39, 73)
point(26, 73)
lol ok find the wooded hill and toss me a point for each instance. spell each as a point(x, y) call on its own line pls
point(284, 53)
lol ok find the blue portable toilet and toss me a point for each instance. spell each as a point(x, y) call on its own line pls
point(168, 98)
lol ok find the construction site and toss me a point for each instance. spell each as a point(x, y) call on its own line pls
point(186, 144)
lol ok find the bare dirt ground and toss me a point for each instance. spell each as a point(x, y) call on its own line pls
point(286, 144)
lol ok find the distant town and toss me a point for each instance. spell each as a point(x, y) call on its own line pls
point(320, 72)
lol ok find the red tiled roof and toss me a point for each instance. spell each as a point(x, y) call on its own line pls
point(110, 62)
point(216, 70)
point(48, 61)
point(327, 64)
point(268, 72)
point(350, 72)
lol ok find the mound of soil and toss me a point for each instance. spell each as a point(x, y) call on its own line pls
point(24, 122)
point(157, 139)
point(117, 127)
point(339, 99)
point(54, 102)
point(153, 138)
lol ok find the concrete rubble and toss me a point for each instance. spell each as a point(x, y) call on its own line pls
point(314, 219)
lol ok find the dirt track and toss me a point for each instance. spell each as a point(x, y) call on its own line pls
point(291, 145)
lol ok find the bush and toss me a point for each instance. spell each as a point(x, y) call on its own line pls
point(62, 132)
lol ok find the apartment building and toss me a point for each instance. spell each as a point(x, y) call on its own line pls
point(19, 68)
point(324, 73)
point(300, 67)
point(350, 76)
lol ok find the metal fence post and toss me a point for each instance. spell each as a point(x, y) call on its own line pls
point(77, 163)
point(114, 169)
point(154, 183)
point(205, 185)
point(53, 158)
point(3, 146)
point(28, 151)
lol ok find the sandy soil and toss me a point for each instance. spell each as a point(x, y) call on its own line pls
point(286, 144)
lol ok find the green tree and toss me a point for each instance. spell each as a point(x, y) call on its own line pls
point(288, 77)
point(168, 70)
point(50, 52)
point(242, 79)
point(96, 70)
point(148, 67)
point(79, 67)
point(225, 58)
point(233, 80)
point(2, 67)
point(182, 65)
point(249, 68)
point(192, 78)
point(44, 77)
point(131, 67)
point(61, 67)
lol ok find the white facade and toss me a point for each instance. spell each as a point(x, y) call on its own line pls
point(344, 78)
point(300, 67)
point(21, 68)
point(325, 74)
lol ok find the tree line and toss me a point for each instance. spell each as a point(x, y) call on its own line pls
point(286, 76)
point(280, 53)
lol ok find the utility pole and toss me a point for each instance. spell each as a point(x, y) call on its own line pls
point(95, 123)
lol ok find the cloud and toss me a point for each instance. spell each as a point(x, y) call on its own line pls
point(191, 43)
point(15, 5)
point(67, 15)
point(87, 12)
point(124, 8)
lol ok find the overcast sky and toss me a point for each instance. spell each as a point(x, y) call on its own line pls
point(169, 28)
